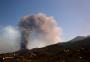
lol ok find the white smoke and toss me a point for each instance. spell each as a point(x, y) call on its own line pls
point(9, 39)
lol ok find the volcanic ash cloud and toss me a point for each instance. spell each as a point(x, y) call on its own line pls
point(39, 27)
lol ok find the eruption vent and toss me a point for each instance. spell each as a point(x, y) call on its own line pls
point(44, 26)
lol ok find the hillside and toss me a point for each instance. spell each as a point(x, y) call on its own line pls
point(77, 51)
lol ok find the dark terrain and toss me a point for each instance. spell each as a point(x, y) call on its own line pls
point(76, 50)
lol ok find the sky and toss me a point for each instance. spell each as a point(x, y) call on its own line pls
point(72, 16)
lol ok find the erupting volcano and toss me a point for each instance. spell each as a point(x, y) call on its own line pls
point(44, 26)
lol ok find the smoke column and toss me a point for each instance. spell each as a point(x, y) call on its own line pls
point(44, 26)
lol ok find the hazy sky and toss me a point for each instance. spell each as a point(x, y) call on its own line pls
point(73, 16)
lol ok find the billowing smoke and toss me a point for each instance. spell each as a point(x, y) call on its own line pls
point(39, 27)
point(9, 39)
point(34, 31)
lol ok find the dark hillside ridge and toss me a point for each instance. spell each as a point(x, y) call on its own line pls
point(82, 43)
point(77, 51)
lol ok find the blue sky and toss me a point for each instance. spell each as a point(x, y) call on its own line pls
point(73, 16)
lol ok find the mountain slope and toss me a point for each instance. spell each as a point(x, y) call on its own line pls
point(78, 51)
point(81, 43)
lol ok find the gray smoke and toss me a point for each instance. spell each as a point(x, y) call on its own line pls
point(34, 31)
point(41, 27)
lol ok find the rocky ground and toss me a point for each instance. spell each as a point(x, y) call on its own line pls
point(53, 53)
point(47, 55)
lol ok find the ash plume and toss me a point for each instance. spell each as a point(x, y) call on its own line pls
point(44, 27)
